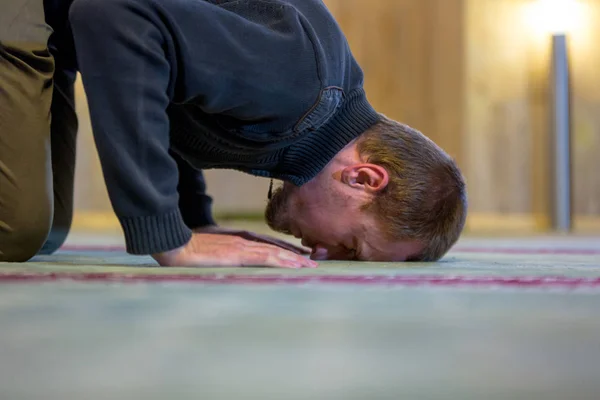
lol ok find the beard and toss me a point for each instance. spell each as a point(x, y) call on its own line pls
point(277, 211)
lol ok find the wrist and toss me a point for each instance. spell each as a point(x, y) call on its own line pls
point(155, 234)
point(169, 257)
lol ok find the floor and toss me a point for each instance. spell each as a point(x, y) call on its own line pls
point(515, 318)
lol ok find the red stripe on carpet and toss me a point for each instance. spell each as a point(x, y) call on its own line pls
point(575, 252)
point(531, 251)
point(274, 279)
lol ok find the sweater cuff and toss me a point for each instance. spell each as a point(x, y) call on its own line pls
point(155, 234)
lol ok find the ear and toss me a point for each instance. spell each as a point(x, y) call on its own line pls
point(368, 177)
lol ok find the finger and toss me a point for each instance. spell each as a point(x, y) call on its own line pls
point(263, 258)
point(257, 259)
point(305, 262)
point(278, 242)
point(283, 254)
point(259, 243)
point(272, 255)
point(240, 252)
point(255, 237)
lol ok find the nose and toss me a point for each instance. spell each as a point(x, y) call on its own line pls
point(319, 253)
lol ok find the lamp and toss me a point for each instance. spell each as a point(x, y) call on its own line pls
point(561, 134)
point(558, 18)
point(560, 14)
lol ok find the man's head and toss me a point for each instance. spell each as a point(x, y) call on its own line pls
point(390, 195)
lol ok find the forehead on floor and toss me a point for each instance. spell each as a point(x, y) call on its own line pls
point(372, 249)
point(371, 244)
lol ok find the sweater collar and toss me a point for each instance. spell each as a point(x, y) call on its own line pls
point(303, 160)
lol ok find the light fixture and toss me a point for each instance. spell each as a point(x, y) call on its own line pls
point(561, 129)
point(558, 18)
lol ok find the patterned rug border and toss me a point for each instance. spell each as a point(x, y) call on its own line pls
point(277, 279)
point(479, 250)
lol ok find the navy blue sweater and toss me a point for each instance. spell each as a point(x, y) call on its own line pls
point(267, 87)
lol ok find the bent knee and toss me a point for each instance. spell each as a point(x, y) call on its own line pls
point(22, 240)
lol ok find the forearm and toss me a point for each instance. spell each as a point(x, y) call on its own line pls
point(195, 205)
point(127, 74)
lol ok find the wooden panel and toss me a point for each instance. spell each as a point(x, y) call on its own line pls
point(412, 55)
point(448, 73)
point(585, 50)
point(499, 125)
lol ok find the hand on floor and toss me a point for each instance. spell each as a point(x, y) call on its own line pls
point(255, 237)
point(225, 250)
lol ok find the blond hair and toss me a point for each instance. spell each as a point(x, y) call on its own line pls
point(425, 199)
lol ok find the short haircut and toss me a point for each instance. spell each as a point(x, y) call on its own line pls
point(425, 199)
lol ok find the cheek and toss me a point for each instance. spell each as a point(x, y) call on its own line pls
point(326, 218)
point(319, 228)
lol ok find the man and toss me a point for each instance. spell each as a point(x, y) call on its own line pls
point(269, 88)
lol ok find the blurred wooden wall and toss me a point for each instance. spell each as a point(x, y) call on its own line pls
point(586, 103)
point(506, 118)
point(470, 74)
point(412, 54)
point(508, 110)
